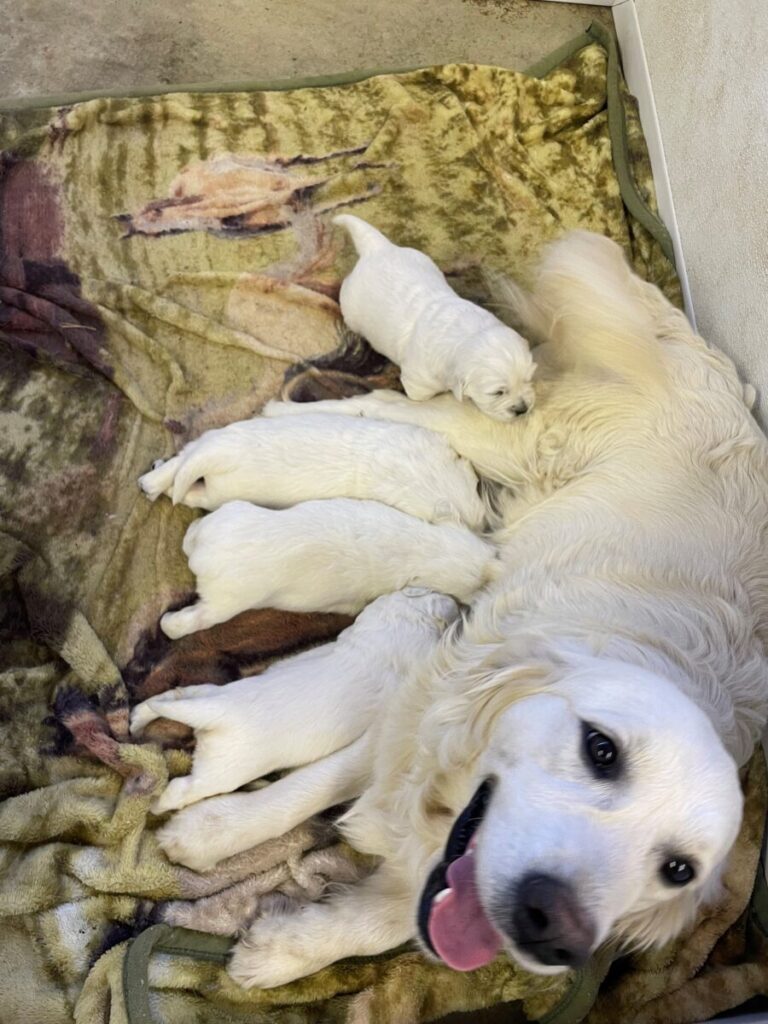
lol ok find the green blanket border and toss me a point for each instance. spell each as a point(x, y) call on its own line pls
point(595, 33)
point(163, 938)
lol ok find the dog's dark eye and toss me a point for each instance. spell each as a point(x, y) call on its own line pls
point(677, 871)
point(499, 393)
point(601, 752)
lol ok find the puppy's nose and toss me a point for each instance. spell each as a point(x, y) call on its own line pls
point(548, 924)
point(520, 408)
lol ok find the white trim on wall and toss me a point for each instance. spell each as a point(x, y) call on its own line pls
point(638, 79)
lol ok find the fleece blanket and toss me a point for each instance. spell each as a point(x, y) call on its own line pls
point(167, 266)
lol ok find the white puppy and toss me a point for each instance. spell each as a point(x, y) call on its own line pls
point(289, 716)
point(406, 467)
point(333, 556)
point(399, 300)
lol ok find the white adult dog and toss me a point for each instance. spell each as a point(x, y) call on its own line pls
point(321, 556)
point(406, 467)
point(246, 729)
point(563, 769)
point(399, 300)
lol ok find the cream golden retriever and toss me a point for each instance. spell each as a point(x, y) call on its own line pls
point(560, 768)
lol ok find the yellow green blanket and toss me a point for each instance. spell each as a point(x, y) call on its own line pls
point(167, 266)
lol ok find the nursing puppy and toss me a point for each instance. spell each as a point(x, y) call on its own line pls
point(289, 716)
point(562, 770)
point(411, 469)
point(399, 300)
point(331, 556)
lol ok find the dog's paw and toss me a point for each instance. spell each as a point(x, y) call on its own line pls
point(274, 951)
point(199, 836)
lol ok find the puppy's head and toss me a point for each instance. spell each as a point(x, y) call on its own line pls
point(605, 807)
point(412, 608)
point(495, 373)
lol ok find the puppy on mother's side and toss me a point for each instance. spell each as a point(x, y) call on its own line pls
point(401, 303)
point(325, 556)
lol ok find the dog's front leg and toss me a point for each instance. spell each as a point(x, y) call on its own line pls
point(369, 918)
point(495, 449)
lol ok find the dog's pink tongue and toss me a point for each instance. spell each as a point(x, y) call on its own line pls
point(460, 932)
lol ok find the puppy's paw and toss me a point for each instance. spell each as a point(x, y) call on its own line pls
point(141, 716)
point(185, 621)
point(274, 951)
point(199, 836)
point(181, 704)
point(159, 480)
point(179, 793)
point(276, 407)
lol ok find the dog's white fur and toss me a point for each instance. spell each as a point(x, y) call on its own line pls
point(246, 729)
point(634, 598)
point(399, 300)
point(406, 467)
point(321, 556)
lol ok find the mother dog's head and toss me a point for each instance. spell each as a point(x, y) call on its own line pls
point(605, 805)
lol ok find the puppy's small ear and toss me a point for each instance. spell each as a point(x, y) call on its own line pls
point(469, 375)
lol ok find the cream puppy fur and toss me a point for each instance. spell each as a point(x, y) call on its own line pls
point(334, 556)
point(406, 467)
point(249, 728)
point(562, 769)
point(399, 300)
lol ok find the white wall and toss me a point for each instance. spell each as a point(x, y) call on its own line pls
point(708, 61)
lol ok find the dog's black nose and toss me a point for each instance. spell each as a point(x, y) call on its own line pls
point(520, 408)
point(548, 924)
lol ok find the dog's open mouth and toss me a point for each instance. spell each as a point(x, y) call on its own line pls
point(452, 921)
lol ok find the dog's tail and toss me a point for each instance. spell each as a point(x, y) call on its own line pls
point(365, 236)
point(586, 299)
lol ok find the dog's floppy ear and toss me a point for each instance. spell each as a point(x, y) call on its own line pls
point(492, 677)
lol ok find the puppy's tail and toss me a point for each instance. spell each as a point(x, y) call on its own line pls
point(586, 299)
point(365, 236)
